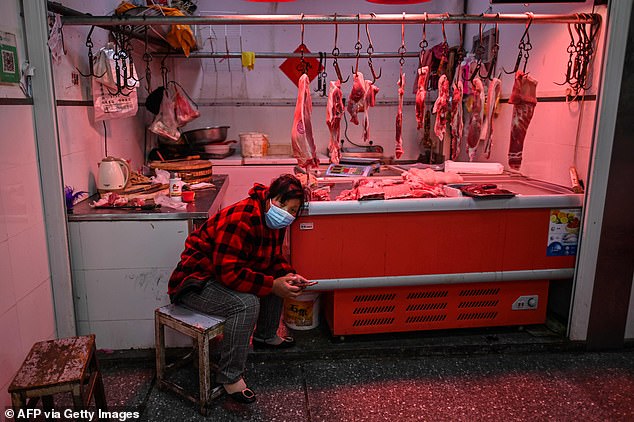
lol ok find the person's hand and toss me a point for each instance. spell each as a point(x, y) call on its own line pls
point(300, 281)
point(284, 287)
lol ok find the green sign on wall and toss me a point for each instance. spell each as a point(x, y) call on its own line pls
point(10, 67)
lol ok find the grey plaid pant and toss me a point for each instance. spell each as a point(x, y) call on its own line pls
point(241, 312)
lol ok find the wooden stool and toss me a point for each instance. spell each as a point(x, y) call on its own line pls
point(59, 366)
point(201, 328)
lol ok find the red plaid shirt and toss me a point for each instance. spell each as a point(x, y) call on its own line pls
point(235, 247)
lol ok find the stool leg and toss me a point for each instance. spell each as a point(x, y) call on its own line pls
point(204, 374)
point(99, 389)
point(78, 400)
point(159, 332)
point(18, 401)
point(48, 404)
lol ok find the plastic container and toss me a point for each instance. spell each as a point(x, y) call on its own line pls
point(254, 144)
point(188, 195)
point(302, 313)
point(473, 167)
point(175, 187)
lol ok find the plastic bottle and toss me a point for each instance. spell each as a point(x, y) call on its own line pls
point(175, 187)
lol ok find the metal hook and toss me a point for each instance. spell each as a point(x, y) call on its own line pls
point(147, 58)
point(423, 44)
point(460, 53)
point(524, 47)
point(335, 54)
point(370, 51)
point(479, 51)
point(304, 65)
point(570, 50)
point(90, 45)
point(358, 45)
point(402, 50)
point(324, 76)
point(494, 54)
point(321, 62)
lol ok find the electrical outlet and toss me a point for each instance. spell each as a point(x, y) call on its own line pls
point(524, 303)
point(74, 78)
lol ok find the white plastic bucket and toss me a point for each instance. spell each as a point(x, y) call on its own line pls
point(253, 144)
point(302, 313)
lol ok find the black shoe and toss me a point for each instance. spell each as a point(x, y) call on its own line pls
point(285, 344)
point(245, 396)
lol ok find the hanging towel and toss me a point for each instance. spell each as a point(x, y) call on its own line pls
point(248, 59)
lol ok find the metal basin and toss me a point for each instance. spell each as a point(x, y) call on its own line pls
point(207, 135)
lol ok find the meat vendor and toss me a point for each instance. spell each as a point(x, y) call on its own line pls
point(233, 267)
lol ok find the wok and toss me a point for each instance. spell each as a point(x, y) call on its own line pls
point(206, 135)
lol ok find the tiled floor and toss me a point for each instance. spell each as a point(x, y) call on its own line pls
point(504, 374)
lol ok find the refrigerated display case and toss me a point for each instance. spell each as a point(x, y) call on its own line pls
point(436, 263)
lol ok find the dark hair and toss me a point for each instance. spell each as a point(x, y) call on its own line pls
point(288, 187)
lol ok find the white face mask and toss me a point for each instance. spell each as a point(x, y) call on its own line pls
point(278, 218)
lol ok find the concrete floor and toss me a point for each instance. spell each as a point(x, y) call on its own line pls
point(498, 374)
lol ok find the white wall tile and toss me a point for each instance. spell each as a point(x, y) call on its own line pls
point(22, 201)
point(83, 144)
point(7, 295)
point(12, 353)
point(17, 141)
point(35, 315)
point(29, 260)
point(4, 231)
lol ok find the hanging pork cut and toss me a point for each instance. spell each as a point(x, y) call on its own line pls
point(457, 123)
point(441, 106)
point(334, 111)
point(369, 101)
point(356, 99)
point(421, 94)
point(524, 98)
point(398, 151)
point(495, 89)
point(302, 131)
point(477, 114)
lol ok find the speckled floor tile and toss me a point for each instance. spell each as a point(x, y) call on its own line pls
point(590, 387)
point(279, 389)
point(127, 387)
point(498, 374)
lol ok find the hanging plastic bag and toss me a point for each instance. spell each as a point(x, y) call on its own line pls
point(108, 106)
point(184, 107)
point(106, 69)
point(164, 123)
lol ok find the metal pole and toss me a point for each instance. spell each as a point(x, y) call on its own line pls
point(271, 55)
point(413, 18)
point(68, 12)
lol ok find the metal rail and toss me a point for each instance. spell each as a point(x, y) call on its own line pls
point(411, 18)
point(272, 55)
point(67, 12)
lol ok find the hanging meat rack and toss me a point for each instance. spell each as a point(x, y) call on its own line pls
point(71, 17)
